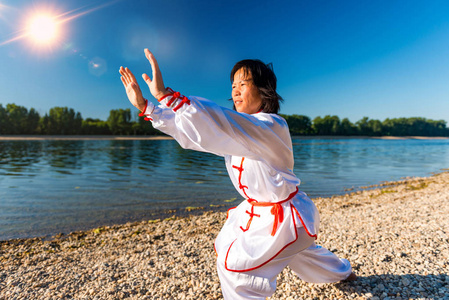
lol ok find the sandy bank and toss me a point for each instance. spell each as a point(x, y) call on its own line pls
point(397, 239)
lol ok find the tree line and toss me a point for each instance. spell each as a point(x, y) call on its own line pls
point(332, 125)
point(17, 120)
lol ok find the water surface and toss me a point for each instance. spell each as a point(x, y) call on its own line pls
point(47, 187)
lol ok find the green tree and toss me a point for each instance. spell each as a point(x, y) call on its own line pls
point(95, 126)
point(396, 126)
point(329, 125)
point(437, 128)
point(3, 120)
point(298, 124)
point(375, 127)
point(387, 125)
point(362, 126)
point(119, 121)
point(17, 119)
point(62, 120)
point(33, 122)
point(347, 128)
point(43, 124)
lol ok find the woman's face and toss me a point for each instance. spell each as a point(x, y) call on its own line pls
point(245, 94)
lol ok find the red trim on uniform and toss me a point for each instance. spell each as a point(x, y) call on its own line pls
point(251, 269)
point(150, 119)
point(241, 186)
point(227, 213)
point(277, 211)
point(142, 113)
point(170, 92)
point(304, 225)
point(251, 216)
point(183, 101)
point(215, 249)
point(175, 96)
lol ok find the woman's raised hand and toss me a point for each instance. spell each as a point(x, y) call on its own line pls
point(132, 88)
point(156, 85)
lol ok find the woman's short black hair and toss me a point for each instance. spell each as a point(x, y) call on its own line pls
point(264, 79)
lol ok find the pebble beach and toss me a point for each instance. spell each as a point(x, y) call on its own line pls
point(395, 235)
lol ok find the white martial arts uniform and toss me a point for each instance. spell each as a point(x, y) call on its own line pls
point(277, 224)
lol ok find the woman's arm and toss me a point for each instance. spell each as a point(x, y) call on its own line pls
point(202, 125)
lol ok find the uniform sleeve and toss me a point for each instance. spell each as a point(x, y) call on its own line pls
point(202, 125)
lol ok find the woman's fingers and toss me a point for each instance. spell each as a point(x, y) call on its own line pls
point(156, 84)
point(131, 75)
point(125, 75)
point(146, 78)
point(153, 62)
point(125, 84)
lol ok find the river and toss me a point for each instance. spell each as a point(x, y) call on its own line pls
point(52, 186)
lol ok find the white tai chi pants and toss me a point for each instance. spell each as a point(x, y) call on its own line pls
point(310, 262)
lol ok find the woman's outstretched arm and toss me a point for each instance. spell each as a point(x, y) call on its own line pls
point(202, 125)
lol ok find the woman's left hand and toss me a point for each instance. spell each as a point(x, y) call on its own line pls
point(156, 85)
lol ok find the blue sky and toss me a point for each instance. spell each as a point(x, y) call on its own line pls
point(380, 59)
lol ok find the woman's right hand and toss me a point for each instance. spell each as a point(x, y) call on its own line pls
point(132, 89)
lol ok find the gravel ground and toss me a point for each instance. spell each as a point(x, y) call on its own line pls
point(395, 236)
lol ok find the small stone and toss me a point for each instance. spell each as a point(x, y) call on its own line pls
point(405, 281)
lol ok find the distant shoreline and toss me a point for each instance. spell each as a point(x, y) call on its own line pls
point(161, 137)
point(340, 137)
point(79, 137)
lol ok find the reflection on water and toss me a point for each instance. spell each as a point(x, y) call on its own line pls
point(52, 186)
point(63, 156)
point(19, 159)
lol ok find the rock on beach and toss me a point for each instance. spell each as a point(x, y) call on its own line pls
point(396, 237)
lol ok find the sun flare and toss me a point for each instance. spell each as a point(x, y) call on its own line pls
point(45, 25)
point(43, 28)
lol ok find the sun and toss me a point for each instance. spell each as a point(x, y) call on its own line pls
point(45, 25)
point(43, 29)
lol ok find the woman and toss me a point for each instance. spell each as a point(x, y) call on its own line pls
point(276, 225)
